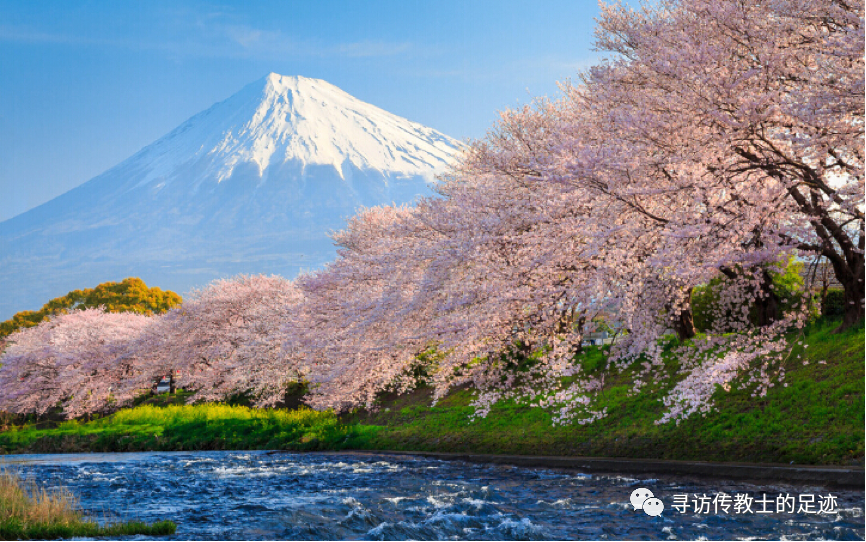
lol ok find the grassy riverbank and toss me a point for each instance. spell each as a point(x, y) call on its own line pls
point(34, 513)
point(818, 418)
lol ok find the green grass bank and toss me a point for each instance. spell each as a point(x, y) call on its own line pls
point(171, 427)
point(817, 419)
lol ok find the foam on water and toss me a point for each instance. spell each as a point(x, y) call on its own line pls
point(256, 495)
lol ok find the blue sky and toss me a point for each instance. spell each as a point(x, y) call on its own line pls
point(84, 85)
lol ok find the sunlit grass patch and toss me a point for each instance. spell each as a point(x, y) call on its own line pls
point(206, 426)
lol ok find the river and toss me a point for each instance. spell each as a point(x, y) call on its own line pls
point(261, 495)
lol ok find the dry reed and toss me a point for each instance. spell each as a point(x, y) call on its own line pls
point(28, 511)
point(32, 504)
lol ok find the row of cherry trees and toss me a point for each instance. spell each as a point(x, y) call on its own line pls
point(223, 340)
point(721, 137)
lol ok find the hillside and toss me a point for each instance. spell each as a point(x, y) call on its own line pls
point(816, 418)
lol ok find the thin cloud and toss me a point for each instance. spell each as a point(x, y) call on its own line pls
point(211, 38)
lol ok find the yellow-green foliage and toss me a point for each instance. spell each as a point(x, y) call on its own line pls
point(209, 426)
point(218, 412)
point(129, 295)
point(28, 511)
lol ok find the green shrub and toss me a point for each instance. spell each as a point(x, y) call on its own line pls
point(787, 285)
point(833, 305)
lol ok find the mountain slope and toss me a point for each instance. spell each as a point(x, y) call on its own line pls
point(252, 184)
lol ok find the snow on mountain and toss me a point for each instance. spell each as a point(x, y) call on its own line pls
point(309, 121)
point(252, 185)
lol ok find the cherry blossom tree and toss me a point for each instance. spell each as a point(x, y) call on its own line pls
point(755, 109)
point(688, 156)
point(224, 340)
point(462, 273)
point(77, 361)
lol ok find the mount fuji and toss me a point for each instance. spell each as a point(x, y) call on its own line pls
point(252, 185)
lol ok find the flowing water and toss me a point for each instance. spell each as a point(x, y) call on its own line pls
point(261, 495)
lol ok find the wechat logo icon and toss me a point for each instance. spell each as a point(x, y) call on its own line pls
point(643, 499)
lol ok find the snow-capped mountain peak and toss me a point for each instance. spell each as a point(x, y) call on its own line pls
point(251, 185)
point(290, 119)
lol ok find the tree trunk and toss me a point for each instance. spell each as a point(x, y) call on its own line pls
point(568, 321)
point(576, 344)
point(171, 386)
point(842, 244)
point(683, 323)
point(853, 305)
point(767, 303)
point(849, 273)
point(825, 288)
